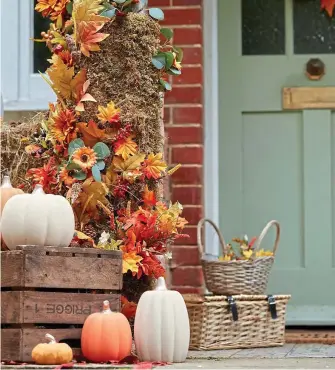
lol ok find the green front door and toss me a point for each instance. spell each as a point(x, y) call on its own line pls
point(275, 163)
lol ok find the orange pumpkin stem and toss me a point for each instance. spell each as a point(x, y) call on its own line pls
point(106, 307)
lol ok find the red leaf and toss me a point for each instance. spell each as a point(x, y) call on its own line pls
point(328, 5)
point(131, 359)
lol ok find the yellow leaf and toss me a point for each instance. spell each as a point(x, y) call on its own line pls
point(154, 166)
point(110, 176)
point(130, 261)
point(263, 253)
point(125, 148)
point(84, 10)
point(247, 253)
point(61, 76)
point(109, 113)
point(132, 163)
point(225, 258)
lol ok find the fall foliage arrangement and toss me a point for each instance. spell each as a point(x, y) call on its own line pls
point(101, 144)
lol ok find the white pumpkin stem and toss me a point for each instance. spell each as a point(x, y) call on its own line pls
point(51, 339)
point(161, 285)
point(6, 184)
point(106, 307)
point(38, 189)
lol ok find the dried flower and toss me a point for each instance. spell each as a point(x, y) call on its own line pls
point(84, 157)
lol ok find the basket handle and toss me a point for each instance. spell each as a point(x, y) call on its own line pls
point(265, 231)
point(199, 235)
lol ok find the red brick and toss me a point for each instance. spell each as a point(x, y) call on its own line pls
point(188, 290)
point(186, 2)
point(189, 75)
point(167, 115)
point(188, 176)
point(191, 276)
point(154, 3)
point(192, 240)
point(187, 115)
point(185, 135)
point(187, 36)
point(182, 16)
point(187, 195)
point(192, 55)
point(184, 95)
point(182, 256)
point(187, 155)
point(193, 214)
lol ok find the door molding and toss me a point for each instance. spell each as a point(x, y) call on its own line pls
point(211, 116)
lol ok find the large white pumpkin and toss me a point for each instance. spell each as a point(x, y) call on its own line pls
point(37, 219)
point(162, 327)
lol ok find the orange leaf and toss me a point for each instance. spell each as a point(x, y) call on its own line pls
point(130, 261)
point(328, 5)
point(91, 133)
point(149, 198)
point(109, 113)
point(88, 36)
point(128, 308)
point(154, 166)
point(125, 147)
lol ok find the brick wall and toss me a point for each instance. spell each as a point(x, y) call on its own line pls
point(183, 117)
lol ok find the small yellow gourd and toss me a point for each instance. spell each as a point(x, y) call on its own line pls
point(52, 353)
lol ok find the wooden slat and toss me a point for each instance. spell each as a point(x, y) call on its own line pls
point(17, 344)
point(295, 98)
point(52, 307)
point(12, 269)
point(73, 273)
point(61, 251)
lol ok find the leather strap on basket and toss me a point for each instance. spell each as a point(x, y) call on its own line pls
point(272, 306)
point(233, 307)
point(265, 231)
point(199, 235)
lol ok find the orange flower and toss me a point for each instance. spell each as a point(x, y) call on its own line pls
point(51, 8)
point(45, 176)
point(63, 126)
point(66, 177)
point(85, 157)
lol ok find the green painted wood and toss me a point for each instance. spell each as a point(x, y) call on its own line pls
point(277, 164)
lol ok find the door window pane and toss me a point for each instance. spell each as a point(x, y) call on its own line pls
point(263, 27)
point(40, 50)
point(314, 30)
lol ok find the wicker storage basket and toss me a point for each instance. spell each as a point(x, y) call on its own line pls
point(219, 322)
point(237, 277)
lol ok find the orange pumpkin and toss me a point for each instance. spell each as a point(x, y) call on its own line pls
point(106, 336)
point(6, 192)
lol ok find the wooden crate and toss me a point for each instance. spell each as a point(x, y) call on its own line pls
point(53, 290)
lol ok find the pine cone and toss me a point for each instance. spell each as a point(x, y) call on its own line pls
point(90, 231)
point(75, 244)
point(86, 245)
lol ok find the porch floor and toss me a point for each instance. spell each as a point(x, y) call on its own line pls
point(290, 356)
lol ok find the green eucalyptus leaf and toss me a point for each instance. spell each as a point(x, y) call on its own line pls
point(174, 71)
point(156, 13)
point(79, 175)
point(167, 33)
point(74, 145)
point(72, 166)
point(110, 13)
point(165, 84)
point(101, 165)
point(96, 173)
point(101, 150)
point(69, 7)
point(159, 61)
point(120, 1)
point(179, 54)
point(169, 57)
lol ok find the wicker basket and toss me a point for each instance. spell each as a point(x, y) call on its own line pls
point(218, 322)
point(238, 277)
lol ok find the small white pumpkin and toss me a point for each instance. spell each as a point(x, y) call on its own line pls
point(37, 219)
point(162, 327)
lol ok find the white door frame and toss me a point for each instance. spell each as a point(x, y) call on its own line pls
point(211, 116)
